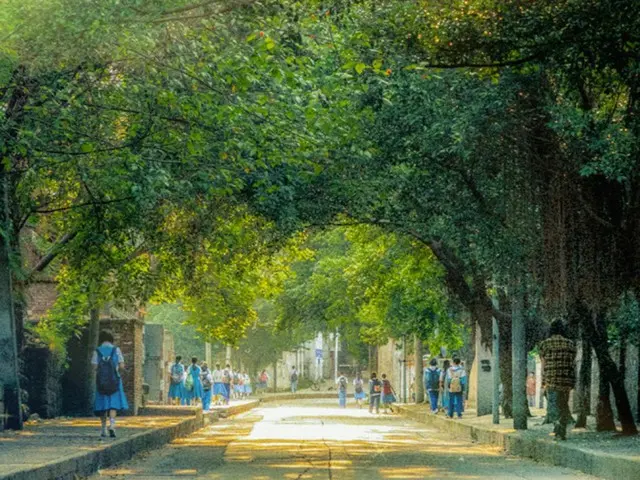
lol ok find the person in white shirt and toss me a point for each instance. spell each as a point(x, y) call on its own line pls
point(217, 384)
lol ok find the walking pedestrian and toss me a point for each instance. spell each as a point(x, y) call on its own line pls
point(207, 387)
point(110, 397)
point(342, 383)
point(247, 385)
point(177, 392)
point(558, 355)
point(531, 389)
point(456, 383)
point(375, 390)
point(226, 384)
point(263, 380)
point(293, 378)
point(193, 384)
point(388, 398)
point(217, 385)
point(432, 384)
point(444, 398)
point(358, 385)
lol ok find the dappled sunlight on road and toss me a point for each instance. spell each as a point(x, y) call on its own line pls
point(315, 440)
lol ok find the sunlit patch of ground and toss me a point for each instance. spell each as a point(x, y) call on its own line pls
point(317, 441)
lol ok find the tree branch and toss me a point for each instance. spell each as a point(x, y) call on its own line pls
point(80, 205)
point(51, 255)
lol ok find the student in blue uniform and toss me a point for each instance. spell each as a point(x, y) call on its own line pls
point(359, 395)
point(177, 392)
point(194, 390)
point(207, 386)
point(110, 397)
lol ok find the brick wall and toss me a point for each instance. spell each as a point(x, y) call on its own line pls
point(128, 335)
point(42, 370)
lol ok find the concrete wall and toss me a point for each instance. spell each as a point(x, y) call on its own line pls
point(158, 355)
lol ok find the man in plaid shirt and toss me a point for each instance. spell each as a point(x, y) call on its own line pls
point(558, 355)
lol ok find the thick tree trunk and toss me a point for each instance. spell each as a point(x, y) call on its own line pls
point(9, 372)
point(89, 385)
point(506, 368)
point(419, 385)
point(609, 372)
point(519, 360)
point(604, 412)
point(275, 376)
point(583, 388)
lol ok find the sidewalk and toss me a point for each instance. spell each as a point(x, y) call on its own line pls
point(65, 448)
point(602, 454)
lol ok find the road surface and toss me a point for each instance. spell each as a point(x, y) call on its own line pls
point(313, 439)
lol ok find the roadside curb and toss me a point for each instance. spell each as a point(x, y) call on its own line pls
point(541, 450)
point(88, 462)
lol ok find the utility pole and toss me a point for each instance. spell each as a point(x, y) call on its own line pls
point(336, 354)
point(207, 354)
point(518, 359)
point(495, 351)
point(404, 369)
point(9, 375)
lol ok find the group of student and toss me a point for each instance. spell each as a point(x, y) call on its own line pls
point(446, 387)
point(379, 390)
point(197, 383)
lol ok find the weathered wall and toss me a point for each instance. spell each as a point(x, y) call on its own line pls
point(43, 372)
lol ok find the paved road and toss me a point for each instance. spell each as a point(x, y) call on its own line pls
point(315, 440)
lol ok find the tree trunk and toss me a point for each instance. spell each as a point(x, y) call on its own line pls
point(583, 388)
point(89, 384)
point(506, 368)
point(604, 412)
point(275, 376)
point(519, 359)
point(419, 371)
point(609, 372)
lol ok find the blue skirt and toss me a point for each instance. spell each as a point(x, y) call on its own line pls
point(177, 390)
point(116, 401)
point(389, 398)
point(218, 389)
point(247, 389)
point(360, 396)
point(226, 387)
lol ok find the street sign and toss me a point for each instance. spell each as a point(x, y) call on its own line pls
point(318, 353)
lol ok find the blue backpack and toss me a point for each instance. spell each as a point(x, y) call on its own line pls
point(432, 379)
point(106, 374)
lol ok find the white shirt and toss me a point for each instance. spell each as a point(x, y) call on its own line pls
point(217, 376)
point(94, 358)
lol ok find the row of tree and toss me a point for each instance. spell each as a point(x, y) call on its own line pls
point(168, 150)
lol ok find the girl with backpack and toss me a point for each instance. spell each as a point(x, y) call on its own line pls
point(193, 384)
point(110, 397)
point(342, 390)
point(207, 387)
point(177, 392)
point(359, 395)
point(388, 398)
point(444, 398)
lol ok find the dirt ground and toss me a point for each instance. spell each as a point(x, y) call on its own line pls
point(314, 439)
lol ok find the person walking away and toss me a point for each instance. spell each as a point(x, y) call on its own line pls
point(293, 378)
point(558, 355)
point(358, 385)
point(432, 384)
point(456, 384)
point(263, 379)
point(226, 384)
point(375, 390)
point(388, 398)
point(217, 385)
point(531, 389)
point(247, 385)
point(239, 378)
point(342, 382)
point(177, 391)
point(110, 397)
point(444, 398)
point(194, 383)
point(237, 389)
point(207, 387)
